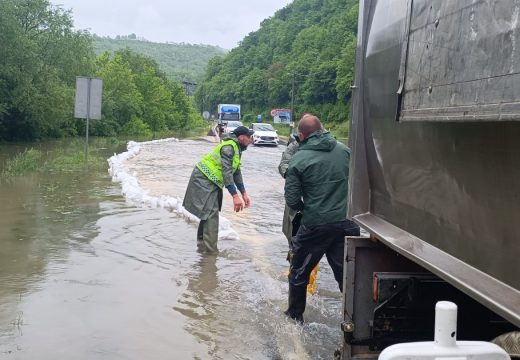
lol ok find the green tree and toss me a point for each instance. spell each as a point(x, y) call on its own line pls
point(157, 102)
point(345, 70)
point(121, 97)
point(253, 89)
point(41, 55)
point(183, 114)
point(139, 97)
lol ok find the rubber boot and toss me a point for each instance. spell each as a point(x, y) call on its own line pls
point(210, 232)
point(200, 238)
point(297, 300)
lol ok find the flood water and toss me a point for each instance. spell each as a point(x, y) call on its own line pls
point(87, 272)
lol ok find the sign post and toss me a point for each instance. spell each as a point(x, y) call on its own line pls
point(87, 104)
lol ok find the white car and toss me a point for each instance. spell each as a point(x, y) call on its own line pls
point(232, 125)
point(264, 134)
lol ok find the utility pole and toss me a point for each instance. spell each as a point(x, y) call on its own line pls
point(188, 87)
point(292, 97)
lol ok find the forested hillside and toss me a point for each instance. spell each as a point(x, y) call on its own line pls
point(309, 45)
point(178, 61)
point(41, 55)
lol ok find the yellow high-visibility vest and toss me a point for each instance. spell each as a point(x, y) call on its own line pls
point(211, 166)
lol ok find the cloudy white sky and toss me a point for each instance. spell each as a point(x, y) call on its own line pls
point(212, 22)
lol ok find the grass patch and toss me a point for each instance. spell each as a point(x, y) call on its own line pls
point(62, 161)
point(58, 160)
point(23, 163)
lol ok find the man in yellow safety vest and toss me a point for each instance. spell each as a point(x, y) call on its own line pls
point(216, 170)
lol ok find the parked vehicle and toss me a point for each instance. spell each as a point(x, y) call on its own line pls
point(264, 134)
point(232, 125)
point(434, 172)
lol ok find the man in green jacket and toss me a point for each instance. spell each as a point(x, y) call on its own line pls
point(292, 218)
point(216, 170)
point(316, 183)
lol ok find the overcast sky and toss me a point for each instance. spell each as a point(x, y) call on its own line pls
point(212, 22)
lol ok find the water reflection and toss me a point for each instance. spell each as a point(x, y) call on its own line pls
point(197, 303)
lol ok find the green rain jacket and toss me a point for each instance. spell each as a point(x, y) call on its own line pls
point(316, 181)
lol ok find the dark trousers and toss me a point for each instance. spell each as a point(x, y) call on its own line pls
point(308, 247)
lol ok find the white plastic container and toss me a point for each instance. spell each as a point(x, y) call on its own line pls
point(445, 346)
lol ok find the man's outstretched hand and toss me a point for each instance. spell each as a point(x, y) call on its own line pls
point(237, 203)
point(247, 201)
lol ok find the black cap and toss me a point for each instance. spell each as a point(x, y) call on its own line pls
point(242, 130)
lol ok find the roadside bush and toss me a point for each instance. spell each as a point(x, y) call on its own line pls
point(137, 127)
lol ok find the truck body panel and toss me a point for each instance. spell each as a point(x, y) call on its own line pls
point(434, 138)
